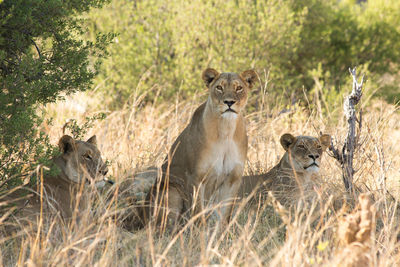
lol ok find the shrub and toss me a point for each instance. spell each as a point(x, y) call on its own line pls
point(42, 54)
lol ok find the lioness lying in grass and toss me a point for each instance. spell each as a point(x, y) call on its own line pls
point(293, 175)
point(80, 165)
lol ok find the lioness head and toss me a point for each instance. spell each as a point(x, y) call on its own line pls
point(81, 160)
point(304, 153)
point(228, 91)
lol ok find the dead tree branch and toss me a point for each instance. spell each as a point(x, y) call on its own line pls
point(346, 154)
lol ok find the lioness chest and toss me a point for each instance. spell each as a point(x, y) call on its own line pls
point(62, 196)
point(221, 161)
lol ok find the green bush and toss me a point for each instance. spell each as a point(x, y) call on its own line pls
point(169, 43)
point(42, 54)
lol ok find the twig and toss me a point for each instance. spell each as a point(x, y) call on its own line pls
point(37, 48)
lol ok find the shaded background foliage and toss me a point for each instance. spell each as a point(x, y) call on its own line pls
point(297, 41)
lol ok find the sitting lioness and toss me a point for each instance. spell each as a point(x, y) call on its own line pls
point(293, 175)
point(205, 163)
point(80, 163)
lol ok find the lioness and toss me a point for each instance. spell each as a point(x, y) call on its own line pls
point(293, 175)
point(80, 163)
point(205, 163)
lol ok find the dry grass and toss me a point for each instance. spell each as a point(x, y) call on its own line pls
point(355, 233)
point(138, 136)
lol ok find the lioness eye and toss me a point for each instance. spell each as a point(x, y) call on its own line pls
point(301, 147)
point(219, 88)
point(239, 89)
point(88, 157)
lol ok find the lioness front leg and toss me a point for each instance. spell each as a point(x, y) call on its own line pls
point(226, 196)
point(168, 209)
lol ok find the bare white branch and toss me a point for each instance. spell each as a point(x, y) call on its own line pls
point(345, 158)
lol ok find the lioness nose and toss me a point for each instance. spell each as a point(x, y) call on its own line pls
point(314, 157)
point(229, 102)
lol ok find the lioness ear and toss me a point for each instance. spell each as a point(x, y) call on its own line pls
point(66, 144)
point(92, 140)
point(287, 140)
point(325, 140)
point(209, 76)
point(250, 77)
